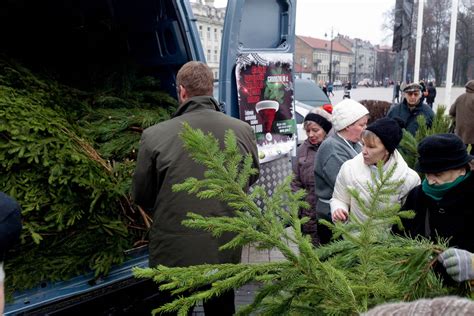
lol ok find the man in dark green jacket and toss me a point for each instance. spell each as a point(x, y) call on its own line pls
point(162, 162)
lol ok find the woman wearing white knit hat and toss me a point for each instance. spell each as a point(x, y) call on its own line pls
point(349, 120)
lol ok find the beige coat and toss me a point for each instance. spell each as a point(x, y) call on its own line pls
point(355, 174)
point(463, 112)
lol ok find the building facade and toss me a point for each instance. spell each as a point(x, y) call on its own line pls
point(363, 65)
point(210, 23)
point(327, 60)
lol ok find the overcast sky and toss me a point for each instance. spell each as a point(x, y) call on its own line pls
point(356, 18)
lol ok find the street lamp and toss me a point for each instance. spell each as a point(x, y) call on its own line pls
point(303, 65)
point(355, 60)
point(330, 55)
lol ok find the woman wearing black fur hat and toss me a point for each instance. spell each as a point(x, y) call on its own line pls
point(443, 203)
point(380, 141)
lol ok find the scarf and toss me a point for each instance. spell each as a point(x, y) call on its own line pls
point(438, 191)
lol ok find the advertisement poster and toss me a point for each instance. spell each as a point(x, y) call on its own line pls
point(265, 93)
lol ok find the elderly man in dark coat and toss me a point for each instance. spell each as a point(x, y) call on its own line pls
point(162, 162)
point(411, 107)
point(463, 112)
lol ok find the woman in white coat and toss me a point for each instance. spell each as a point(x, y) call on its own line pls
point(380, 141)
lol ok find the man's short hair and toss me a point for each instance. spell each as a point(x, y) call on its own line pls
point(197, 78)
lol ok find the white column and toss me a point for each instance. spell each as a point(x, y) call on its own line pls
point(419, 35)
point(452, 42)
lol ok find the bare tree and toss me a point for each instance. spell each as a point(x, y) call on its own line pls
point(435, 38)
point(389, 22)
point(464, 61)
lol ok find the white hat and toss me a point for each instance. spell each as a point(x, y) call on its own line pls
point(347, 112)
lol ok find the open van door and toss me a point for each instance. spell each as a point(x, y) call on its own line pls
point(256, 78)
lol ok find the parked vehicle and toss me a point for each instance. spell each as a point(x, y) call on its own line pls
point(337, 83)
point(308, 95)
point(308, 92)
point(365, 82)
point(159, 36)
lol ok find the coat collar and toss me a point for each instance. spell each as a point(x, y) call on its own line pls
point(417, 107)
point(199, 102)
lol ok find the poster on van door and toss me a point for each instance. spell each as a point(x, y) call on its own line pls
point(265, 94)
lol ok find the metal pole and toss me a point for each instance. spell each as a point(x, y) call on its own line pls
point(419, 35)
point(330, 59)
point(452, 42)
point(355, 62)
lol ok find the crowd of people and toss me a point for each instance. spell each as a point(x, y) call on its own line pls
point(348, 158)
point(340, 152)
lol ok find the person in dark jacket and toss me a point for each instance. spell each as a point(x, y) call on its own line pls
point(10, 230)
point(423, 90)
point(325, 90)
point(317, 125)
point(411, 107)
point(443, 203)
point(163, 161)
point(396, 92)
point(462, 111)
point(431, 94)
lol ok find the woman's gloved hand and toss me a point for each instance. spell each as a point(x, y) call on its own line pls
point(459, 264)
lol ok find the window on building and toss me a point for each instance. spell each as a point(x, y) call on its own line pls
point(216, 57)
point(208, 55)
point(215, 35)
point(200, 32)
point(209, 33)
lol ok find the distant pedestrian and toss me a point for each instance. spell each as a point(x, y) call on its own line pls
point(463, 112)
point(424, 92)
point(396, 92)
point(330, 88)
point(347, 90)
point(325, 89)
point(430, 98)
point(411, 107)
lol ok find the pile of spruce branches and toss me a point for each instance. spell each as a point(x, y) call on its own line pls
point(368, 266)
point(67, 156)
